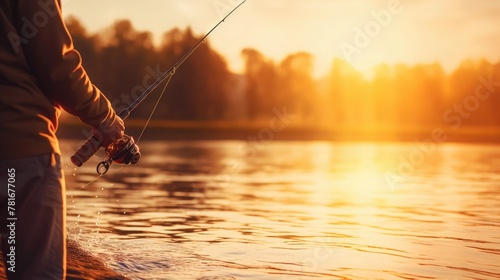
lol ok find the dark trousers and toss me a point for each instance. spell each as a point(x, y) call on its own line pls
point(33, 217)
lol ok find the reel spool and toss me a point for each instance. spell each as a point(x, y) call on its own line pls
point(122, 151)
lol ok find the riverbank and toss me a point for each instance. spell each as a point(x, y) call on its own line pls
point(81, 265)
point(269, 131)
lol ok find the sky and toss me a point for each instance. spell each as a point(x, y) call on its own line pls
point(363, 32)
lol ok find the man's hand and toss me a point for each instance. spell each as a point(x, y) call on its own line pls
point(109, 131)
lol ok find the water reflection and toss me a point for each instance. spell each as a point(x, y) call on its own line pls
point(295, 209)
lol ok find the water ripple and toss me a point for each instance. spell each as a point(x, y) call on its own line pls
point(299, 210)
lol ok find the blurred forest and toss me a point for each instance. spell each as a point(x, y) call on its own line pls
point(123, 61)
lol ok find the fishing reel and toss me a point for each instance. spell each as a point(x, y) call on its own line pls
point(122, 151)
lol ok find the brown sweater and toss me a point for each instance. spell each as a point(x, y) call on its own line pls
point(40, 73)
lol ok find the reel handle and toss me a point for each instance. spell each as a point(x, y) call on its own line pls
point(86, 151)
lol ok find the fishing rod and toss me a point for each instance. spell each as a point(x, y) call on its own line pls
point(125, 150)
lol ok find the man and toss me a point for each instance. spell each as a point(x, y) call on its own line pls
point(40, 74)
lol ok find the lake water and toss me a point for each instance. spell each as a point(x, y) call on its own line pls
point(292, 210)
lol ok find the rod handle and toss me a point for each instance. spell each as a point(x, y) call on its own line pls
point(86, 151)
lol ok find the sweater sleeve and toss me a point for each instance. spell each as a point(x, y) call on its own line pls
point(53, 59)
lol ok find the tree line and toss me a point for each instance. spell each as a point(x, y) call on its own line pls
point(123, 61)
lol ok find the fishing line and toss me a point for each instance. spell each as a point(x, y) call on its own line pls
point(155, 107)
point(125, 150)
point(89, 183)
point(138, 139)
point(141, 134)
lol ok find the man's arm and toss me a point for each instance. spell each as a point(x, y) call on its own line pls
point(58, 66)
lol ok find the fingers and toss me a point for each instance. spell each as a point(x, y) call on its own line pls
point(120, 127)
point(110, 133)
